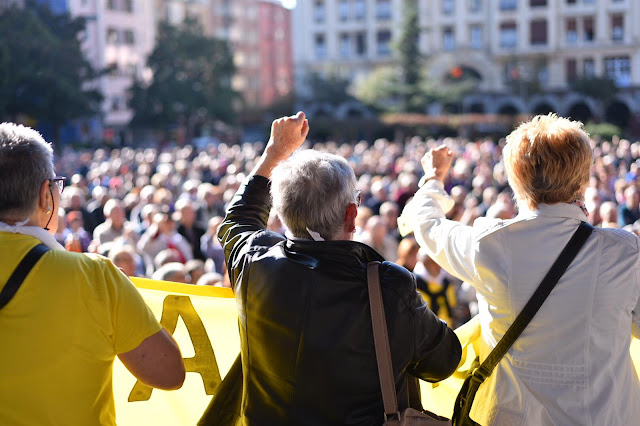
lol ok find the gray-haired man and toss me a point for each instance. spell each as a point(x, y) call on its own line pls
point(307, 343)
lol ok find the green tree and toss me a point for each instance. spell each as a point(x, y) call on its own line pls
point(43, 73)
point(602, 89)
point(191, 82)
point(410, 59)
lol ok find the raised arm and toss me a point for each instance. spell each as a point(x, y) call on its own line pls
point(451, 244)
point(249, 209)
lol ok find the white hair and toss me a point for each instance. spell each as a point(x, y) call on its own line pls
point(311, 190)
point(26, 161)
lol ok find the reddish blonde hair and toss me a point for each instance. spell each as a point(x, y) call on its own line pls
point(548, 160)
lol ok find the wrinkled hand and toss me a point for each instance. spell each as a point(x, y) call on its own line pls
point(437, 162)
point(287, 135)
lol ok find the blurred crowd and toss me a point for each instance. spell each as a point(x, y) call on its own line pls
point(155, 212)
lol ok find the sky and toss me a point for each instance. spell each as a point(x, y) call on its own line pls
point(289, 3)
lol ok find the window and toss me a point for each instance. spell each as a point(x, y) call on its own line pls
point(361, 44)
point(508, 4)
point(360, 10)
point(508, 35)
point(571, 31)
point(448, 7)
point(537, 3)
point(383, 9)
point(318, 12)
point(112, 36)
point(448, 39)
point(571, 70)
point(343, 10)
point(617, 28)
point(128, 6)
point(319, 46)
point(589, 67)
point(538, 32)
point(476, 36)
point(345, 45)
point(571, 1)
point(112, 5)
point(475, 6)
point(383, 39)
point(619, 69)
point(129, 37)
point(589, 29)
point(543, 74)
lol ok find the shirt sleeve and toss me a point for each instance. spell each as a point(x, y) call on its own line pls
point(451, 244)
point(131, 318)
point(635, 314)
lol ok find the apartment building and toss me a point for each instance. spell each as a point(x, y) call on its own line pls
point(510, 46)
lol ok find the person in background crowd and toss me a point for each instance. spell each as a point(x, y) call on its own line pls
point(173, 271)
point(571, 365)
point(211, 247)
point(95, 208)
point(75, 233)
point(306, 335)
point(162, 235)
point(126, 259)
point(376, 236)
point(629, 212)
point(114, 225)
point(187, 226)
point(72, 314)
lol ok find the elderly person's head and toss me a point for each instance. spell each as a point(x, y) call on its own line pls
point(114, 211)
point(548, 160)
point(315, 195)
point(29, 189)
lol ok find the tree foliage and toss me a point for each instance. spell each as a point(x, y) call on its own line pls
point(191, 80)
point(600, 88)
point(408, 51)
point(43, 73)
point(406, 87)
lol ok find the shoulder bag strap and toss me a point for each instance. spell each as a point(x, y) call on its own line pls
point(533, 305)
point(21, 272)
point(381, 341)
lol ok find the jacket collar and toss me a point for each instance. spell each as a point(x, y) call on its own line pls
point(331, 248)
point(564, 210)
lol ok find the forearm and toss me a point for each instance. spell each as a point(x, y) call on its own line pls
point(247, 214)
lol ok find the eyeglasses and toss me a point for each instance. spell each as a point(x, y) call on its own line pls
point(358, 197)
point(60, 181)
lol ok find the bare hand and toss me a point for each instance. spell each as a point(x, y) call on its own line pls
point(287, 135)
point(437, 162)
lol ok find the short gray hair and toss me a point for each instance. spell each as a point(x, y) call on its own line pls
point(26, 161)
point(312, 190)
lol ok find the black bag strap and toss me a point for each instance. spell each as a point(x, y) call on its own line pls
point(533, 305)
point(22, 270)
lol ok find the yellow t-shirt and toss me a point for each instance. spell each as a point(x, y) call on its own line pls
point(60, 334)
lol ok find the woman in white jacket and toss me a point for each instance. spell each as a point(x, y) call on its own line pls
point(571, 365)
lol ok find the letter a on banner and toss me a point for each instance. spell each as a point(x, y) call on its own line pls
point(203, 362)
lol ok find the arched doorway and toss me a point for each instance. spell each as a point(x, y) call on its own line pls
point(618, 113)
point(476, 108)
point(508, 109)
point(580, 111)
point(543, 109)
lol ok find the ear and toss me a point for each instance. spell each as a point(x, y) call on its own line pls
point(350, 218)
point(45, 202)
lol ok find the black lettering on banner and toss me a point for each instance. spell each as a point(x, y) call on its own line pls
point(203, 362)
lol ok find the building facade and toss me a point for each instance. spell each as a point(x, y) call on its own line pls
point(525, 53)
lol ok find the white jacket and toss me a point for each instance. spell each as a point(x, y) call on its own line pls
point(571, 365)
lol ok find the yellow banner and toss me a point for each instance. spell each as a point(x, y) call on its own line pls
point(204, 322)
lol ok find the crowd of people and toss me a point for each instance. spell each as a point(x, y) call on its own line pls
point(155, 212)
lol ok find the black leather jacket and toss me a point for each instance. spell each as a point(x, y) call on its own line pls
point(308, 355)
